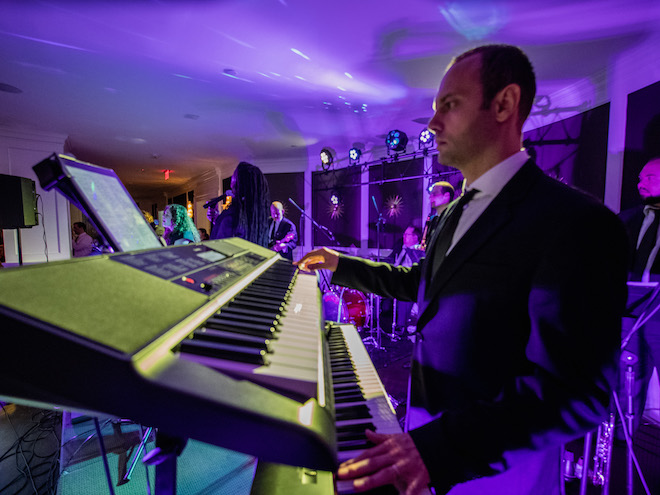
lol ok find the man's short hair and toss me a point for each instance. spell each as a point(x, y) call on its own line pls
point(278, 205)
point(502, 65)
point(81, 225)
point(416, 230)
point(445, 187)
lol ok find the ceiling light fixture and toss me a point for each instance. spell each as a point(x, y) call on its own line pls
point(8, 88)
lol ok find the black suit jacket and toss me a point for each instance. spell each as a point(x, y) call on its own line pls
point(285, 227)
point(633, 219)
point(519, 332)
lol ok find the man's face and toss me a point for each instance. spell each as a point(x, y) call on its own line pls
point(409, 237)
point(275, 213)
point(459, 123)
point(649, 182)
point(437, 198)
point(77, 229)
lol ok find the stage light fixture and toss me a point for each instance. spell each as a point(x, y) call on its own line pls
point(354, 155)
point(396, 140)
point(327, 158)
point(425, 139)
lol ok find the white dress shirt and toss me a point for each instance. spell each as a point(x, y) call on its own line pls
point(489, 185)
point(649, 216)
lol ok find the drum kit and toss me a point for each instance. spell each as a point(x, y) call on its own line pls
point(345, 305)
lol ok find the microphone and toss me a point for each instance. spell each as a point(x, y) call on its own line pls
point(212, 202)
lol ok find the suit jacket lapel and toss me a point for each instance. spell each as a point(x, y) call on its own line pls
point(491, 220)
point(430, 248)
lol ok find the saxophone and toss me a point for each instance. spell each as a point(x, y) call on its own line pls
point(603, 454)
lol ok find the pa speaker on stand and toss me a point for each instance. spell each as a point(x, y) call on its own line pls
point(18, 206)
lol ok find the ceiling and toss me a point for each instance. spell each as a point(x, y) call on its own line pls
point(188, 86)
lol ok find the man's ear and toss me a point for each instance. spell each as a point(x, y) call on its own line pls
point(507, 103)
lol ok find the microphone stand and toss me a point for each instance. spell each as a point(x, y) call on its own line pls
point(323, 229)
point(376, 342)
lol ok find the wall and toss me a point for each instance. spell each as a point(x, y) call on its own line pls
point(632, 70)
point(19, 152)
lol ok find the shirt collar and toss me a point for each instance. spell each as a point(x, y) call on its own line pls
point(649, 208)
point(492, 182)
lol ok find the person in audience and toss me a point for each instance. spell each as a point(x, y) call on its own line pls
point(150, 219)
point(282, 235)
point(203, 234)
point(83, 244)
point(520, 293)
point(179, 227)
point(247, 215)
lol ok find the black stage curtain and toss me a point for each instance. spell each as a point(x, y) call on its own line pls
point(574, 150)
point(642, 139)
point(399, 201)
point(288, 185)
point(343, 220)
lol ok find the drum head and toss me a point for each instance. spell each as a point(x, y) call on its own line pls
point(358, 307)
point(334, 309)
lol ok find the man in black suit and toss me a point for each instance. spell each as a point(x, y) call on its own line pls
point(642, 225)
point(283, 237)
point(520, 298)
point(441, 194)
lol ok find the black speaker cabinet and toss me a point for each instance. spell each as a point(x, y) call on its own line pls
point(18, 202)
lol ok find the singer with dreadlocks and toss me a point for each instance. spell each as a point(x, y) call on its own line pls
point(248, 214)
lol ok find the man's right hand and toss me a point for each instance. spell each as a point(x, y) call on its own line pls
point(323, 258)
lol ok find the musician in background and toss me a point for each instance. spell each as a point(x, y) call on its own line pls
point(282, 235)
point(406, 255)
point(247, 215)
point(642, 226)
point(440, 195)
point(179, 227)
point(83, 244)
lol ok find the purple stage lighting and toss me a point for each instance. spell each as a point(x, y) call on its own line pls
point(354, 155)
point(396, 140)
point(425, 139)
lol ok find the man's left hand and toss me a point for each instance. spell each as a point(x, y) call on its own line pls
point(393, 461)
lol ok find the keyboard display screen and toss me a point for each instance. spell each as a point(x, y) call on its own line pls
point(193, 266)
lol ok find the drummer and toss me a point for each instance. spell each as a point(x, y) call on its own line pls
point(406, 255)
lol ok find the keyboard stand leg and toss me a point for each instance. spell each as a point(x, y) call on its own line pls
point(164, 457)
